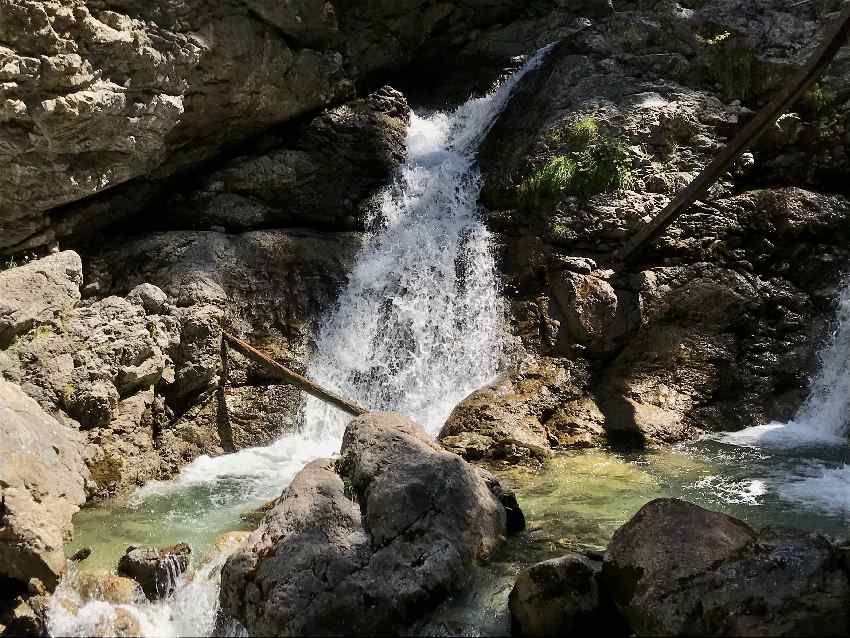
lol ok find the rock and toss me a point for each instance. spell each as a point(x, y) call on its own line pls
point(588, 307)
point(393, 526)
point(94, 98)
point(319, 175)
point(506, 421)
point(149, 297)
point(226, 545)
point(717, 325)
point(156, 570)
point(26, 617)
point(38, 292)
point(81, 554)
point(42, 481)
point(562, 596)
point(676, 569)
point(108, 587)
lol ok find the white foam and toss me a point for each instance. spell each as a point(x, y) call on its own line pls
point(825, 488)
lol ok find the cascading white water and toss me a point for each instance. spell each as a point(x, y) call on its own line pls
point(419, 326)
point(824, 417)
point(821, 427)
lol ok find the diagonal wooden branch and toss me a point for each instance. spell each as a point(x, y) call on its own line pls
point(747, 135)
point(288, 376)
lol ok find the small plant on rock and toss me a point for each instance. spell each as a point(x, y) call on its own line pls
point(730, 64)
point(602, 166)
point(818, 100)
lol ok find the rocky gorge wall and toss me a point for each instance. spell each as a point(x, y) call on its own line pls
point(211, 165)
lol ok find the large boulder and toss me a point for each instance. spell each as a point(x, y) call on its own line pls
point(676, 569)
point(515, 419)
point(563, 597)
point(42, 485)
point(368, 544)
point(317, 174)
point(38, 292)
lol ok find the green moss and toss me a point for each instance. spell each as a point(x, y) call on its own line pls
point(603, 165)
point(818, 100)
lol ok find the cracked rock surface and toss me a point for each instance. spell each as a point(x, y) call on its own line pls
point(368, 544)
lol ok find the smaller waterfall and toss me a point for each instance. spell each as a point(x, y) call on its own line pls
point(816, 439)
point(824, 417)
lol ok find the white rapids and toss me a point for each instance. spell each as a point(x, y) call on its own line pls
point(822, 423)
point(418, 327)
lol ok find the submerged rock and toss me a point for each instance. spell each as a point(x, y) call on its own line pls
point(156, 570)
point(676, 569)
point(369, 544)
point(42, 485)
point(562, 597)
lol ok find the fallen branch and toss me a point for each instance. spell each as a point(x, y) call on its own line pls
point(754, 128)
point(288, 376)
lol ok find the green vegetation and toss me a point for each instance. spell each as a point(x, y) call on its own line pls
point(818, 101)
point(8, 265)
point(730, 64)
point(599, 165)
point(43, 330)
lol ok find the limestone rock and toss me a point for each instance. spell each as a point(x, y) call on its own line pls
point(676, 569)
point(149, 297)
point(156, 570)
point(37, 293)
point(320, 175)
point(562, 596)
point(507, 421)
point(95, 97)
point(108, 587)
point(42, 480)
point(392, 526)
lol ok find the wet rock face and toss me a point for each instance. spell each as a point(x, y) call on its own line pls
point(156, 570)
point(42, 485)
point(676, 569)
point(562, 596)
point(392, 526)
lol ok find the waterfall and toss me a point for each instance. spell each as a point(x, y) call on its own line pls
point(419, 325)
point(817, 437)
point(824, 416)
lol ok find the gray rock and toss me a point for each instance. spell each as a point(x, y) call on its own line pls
point(38, 292)
point(368, 545)
point(508, 420)
point(676, 569)
point(319, 175)
point(149, 297)
point(94, 98)
point(562, 597)
point(42, 481)
point(156, 570)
